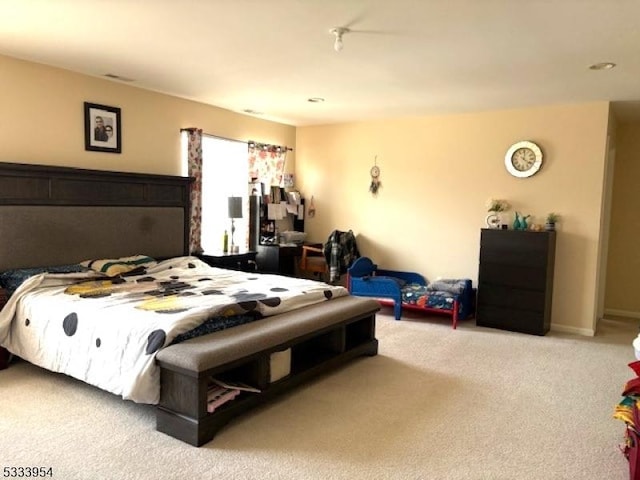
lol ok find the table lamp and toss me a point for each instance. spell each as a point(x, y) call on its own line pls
point(235, 211)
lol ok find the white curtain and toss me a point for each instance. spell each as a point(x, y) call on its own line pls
point(224, 174)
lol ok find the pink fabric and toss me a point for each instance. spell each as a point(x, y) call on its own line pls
point(194, 148)
point(266, 163)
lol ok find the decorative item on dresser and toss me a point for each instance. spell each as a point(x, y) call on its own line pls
point(515, 281)
point(552, 219)
point(520, 222)
point(494, 207)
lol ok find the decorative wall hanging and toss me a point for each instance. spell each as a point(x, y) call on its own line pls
point(375, 177)
point(102, 128)
point(311, 211)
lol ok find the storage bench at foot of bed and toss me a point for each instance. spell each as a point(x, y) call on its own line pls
point(316, 339)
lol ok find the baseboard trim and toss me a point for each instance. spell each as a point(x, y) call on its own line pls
point(587, 332)
point(622, 313)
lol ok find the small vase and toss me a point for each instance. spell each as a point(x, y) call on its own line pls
point(549, 227)
point(493, 220)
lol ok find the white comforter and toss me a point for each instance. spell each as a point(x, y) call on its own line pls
point(107, 334)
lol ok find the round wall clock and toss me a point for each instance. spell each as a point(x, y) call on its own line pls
point(523, 159)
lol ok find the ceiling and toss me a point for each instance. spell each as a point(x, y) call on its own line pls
point(402, 57)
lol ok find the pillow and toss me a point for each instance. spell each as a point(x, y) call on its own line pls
point(12, 279)
point(450, 285)
point(118, 266)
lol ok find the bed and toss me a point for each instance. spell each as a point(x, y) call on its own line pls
point(410, 290)
point(56, 216)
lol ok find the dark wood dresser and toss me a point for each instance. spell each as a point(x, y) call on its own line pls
point(515, 280)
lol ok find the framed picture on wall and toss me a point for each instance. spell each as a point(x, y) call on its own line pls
point(102, 128)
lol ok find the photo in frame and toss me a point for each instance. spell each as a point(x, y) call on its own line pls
point(102, 128)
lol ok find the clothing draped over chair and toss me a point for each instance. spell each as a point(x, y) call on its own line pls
point(340, 251)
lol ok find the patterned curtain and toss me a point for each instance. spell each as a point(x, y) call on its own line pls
point(266, 163)
point(194, 151)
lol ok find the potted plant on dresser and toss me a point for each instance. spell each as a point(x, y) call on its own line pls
point(552, 219)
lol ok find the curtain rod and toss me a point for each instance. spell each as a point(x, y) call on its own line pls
point(288, 149)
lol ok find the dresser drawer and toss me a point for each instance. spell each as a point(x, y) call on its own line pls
point(512, 298)
point(522, 321)
point(515, 276)
point(513, 242)
point(534, 258)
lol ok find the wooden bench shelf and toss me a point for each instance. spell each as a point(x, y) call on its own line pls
point(182, 412)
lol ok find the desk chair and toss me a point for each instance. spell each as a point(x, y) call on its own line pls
point(313, 262)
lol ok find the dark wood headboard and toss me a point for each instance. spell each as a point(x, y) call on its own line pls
point(58, 215)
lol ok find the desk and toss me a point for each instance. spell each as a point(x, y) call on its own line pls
point(280, 259)
point(245, 261)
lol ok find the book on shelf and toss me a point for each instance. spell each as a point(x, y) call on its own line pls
point(222, 391)
point(217, 396)
point(235, 385)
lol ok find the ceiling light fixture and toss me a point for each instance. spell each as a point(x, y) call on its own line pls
point(315, 100)
point(338, 32)
point(602, 66)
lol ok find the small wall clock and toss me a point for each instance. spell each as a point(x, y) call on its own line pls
point(523, 159)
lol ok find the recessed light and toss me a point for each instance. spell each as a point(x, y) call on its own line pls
point(602, 66)
point(315, 100)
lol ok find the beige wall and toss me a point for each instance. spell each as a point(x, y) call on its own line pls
point(438, 172)
point(624, 258)
point(42, 121)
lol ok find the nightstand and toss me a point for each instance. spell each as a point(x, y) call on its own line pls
point(244, 261)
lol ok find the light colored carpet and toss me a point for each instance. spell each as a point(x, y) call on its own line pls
point(435, 403)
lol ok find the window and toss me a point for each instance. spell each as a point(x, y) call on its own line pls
point(225, 167)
